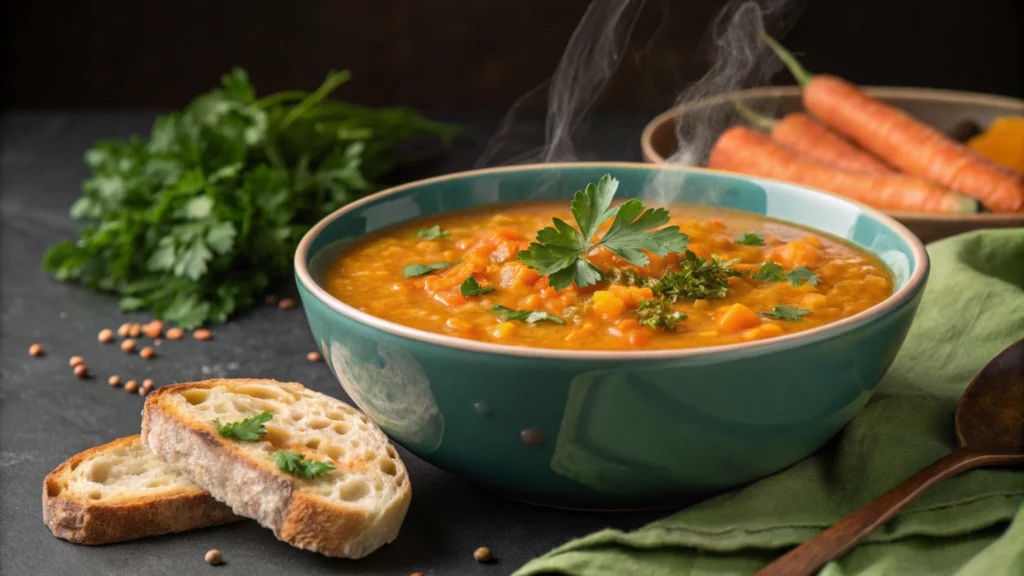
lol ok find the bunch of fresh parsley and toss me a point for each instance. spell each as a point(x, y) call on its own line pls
point(195, 223)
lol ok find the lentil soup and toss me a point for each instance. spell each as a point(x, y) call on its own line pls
point(742, 277)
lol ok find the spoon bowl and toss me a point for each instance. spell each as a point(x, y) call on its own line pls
point(990, 416)
point(990, 431)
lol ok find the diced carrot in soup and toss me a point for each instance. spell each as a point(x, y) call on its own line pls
point(738, 317)
point(796, 254)
point(450, 277)
point(606, 305)
point(516, 274)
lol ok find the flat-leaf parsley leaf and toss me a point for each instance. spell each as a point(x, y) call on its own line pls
point(432, 233)
point(470, 287)
point(413, 270)
point(772, 272)
point(295, 463)
point(560, 253)
point(528, 316)
point(751, 239)
point(769, 272)
point(802, 275)
point(786, 313)
point(248, 430)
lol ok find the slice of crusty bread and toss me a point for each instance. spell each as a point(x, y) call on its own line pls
point(348, 513)
point(120, 491)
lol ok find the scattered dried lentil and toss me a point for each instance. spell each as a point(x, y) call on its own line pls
point(114, 381)
point(153, 329)
point(314, 357)
point(131, 386)
point(75, 361)
point(286, 303)
point(202, 334)
point(128, 345)
point(135, 330)
point(213, 557)
point(81, 371)
point(175, 333)
point(35, 350)
point(105, 335)
point(147, 353)
point(483, 554)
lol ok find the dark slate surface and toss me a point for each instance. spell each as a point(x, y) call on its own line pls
point(47, 415)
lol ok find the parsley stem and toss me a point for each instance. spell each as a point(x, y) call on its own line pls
point(334, 79)
point(278, 98)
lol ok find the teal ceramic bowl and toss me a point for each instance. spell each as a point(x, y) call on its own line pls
point(610, 430)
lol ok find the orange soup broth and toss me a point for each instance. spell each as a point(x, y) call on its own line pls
point(369, 276)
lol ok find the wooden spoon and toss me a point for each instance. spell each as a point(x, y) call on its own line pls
point(989, 429)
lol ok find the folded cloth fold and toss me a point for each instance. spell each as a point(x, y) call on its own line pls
point(973, 308)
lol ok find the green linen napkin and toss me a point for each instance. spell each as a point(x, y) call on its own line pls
point(973, 308)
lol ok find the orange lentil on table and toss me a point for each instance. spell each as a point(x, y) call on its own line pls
point(213, 557)
point(75, 361)
point(147, 353)
point(128, 345)
point(174, 333)
point(123, 329)
point(81, 370)
point(369, 276)
point(202, 334)
point(106, 335)
point(314, 357)
point(153, 329)
point(286, 303)
point(131, 386)
point(35, 350)
point(135, 330)
point(114, 381)
point(147, 383)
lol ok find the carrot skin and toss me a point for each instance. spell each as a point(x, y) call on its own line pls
point(742, 150)
point(809, 137)
point(910, 145)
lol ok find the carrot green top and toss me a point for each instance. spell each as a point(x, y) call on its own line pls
point(795, 68)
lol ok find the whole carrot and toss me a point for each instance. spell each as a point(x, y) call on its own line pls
point(812, 139)
point(903, 141)
point(740, 149)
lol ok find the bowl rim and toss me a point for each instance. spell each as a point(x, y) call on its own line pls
point(898, 298)
point(651, 156)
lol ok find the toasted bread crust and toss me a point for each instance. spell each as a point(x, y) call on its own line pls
point(257, 489)
point(82, 521)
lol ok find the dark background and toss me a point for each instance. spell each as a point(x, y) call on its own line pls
point(469, 54)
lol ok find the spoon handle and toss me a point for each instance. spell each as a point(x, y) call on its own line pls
point(810, 556)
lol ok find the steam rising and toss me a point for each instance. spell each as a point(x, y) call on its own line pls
point(591, 57)
point(739, 59)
